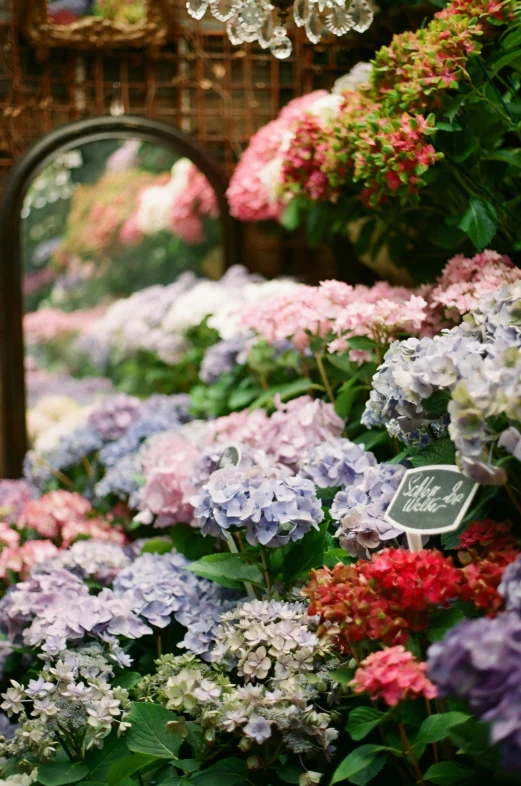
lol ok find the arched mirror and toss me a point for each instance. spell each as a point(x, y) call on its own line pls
point(92, 214)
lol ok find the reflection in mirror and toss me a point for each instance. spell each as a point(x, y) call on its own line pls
point(114, 233)
point(122, 12)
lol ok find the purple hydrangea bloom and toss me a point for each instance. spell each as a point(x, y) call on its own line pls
point(360, 509)
point(478, 661)
point(272, 507)
point(510, 587)
point(93, 559)
point(220, 359)
point(71, 449)
point(210, 458)
point(60, 608)
point(158, 413)
point(122, 480)
point(114, 415)
point(158, 587)
point(337, 463)
point(14, 495)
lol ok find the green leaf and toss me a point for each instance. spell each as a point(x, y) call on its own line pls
point(332, 556)
point(447, 772)
point(289, 773)
point(157, 546)
point(342, 676)
point(190, 542)
point(187, 765)
point(440, 452)
point(345, 399)
point(308, 553)
point(130, 764)
point(228, 570)
point(60, 773)
point(127, 680)
point(443, 621)
point(369, 772)
point(480, 222)
point(509, 58)
point(227, 772)
point(362, 720)
point(358, 760)
point(290, 218)
point(361, 342)
point(473, 738)
point(148, 732)
point(287, 391)
point(99, 760)
point(437, 403)
point(437, 727)
point(371, 438)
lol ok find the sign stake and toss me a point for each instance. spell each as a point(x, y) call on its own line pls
point(414, 541)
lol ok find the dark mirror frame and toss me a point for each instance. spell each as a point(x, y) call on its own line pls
point(13, 430)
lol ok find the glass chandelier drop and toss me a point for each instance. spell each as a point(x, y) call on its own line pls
point(266, 21)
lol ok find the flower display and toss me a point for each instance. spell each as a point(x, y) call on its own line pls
point(337, 463)
point(14, 496)
point(393, 675)
point(113, 417)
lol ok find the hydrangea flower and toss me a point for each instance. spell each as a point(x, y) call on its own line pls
point(393, 675)
point(478, 660)
point(220, 359)
point(21, 560)
point(338, 462)
point(59, 608)
point(113, 417)
point(210, 458)
point(123, 480)
point(92, 559)
point(360, 509)
point(14, 495)
point(272, 507)
point(158, 587)
point(297, 427)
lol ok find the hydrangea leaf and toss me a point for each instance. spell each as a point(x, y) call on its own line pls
point(437, 727)
point(358, 761)
point(480, 222)
point(148, 733)
point(448, 772)
point(443, 621)
point(126, 766)
point(99, 760)
point(362, 720)
point(228, 772)
point(228, 570)
point(61, 773)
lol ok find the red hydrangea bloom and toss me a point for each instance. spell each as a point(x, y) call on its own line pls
point(382, 599)
point(487, 534)
point(483, 577)
point(393, 675)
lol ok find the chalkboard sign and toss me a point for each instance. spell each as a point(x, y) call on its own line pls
point(231, 456)
point(431, 499)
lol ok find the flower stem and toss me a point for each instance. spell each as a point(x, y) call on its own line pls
point(159, 645)
point(88, 466)
point(408, 748)
point(434, 744)
point(513, 499)
point(324, 378)
point(266, 569)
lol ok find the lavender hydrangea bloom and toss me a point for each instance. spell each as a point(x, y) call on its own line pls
point(210, 458)
point(158, 587)
point(274, 508)
point(337, 463)
point(220, 359)
point(158, 413)
point(60, 609)
point(510, 587)
point(114, 416)
point(360, 508)
point(479, 661)
point(71, 449)
point(93, 559)
point(122, 480)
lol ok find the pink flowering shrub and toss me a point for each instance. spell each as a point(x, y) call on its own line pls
point(48, 324)
point(8, 536)
point(167, 466)
point(21, 560)
point(247, 192)
point(195, 201)
point(393, 675)
point(14, 495)
point(244, 426)
point(65, 515)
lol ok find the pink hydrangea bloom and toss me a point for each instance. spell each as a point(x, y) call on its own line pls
point(247, 193)
point(381, 320)
point(8, 536)
point(465, 280)
point(49, 514)
point(297, 427)
point(14, 495)
point(96, 528)
point(195, 201)
point(167, 466)
point(393, 675)
point(244, 426)
point(47, 324)
point(22, 559)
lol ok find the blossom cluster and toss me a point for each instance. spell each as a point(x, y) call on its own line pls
point(394, 675)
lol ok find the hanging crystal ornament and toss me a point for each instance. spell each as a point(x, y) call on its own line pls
point(196, 8)
point(361, 15)
point(255, 20)
point(281, 46)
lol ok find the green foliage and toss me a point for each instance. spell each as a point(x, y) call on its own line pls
point(361, 765)
point(229, 570)
point(362, 720)
point(149, 733)
point(61, 773)
point(437, 727)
